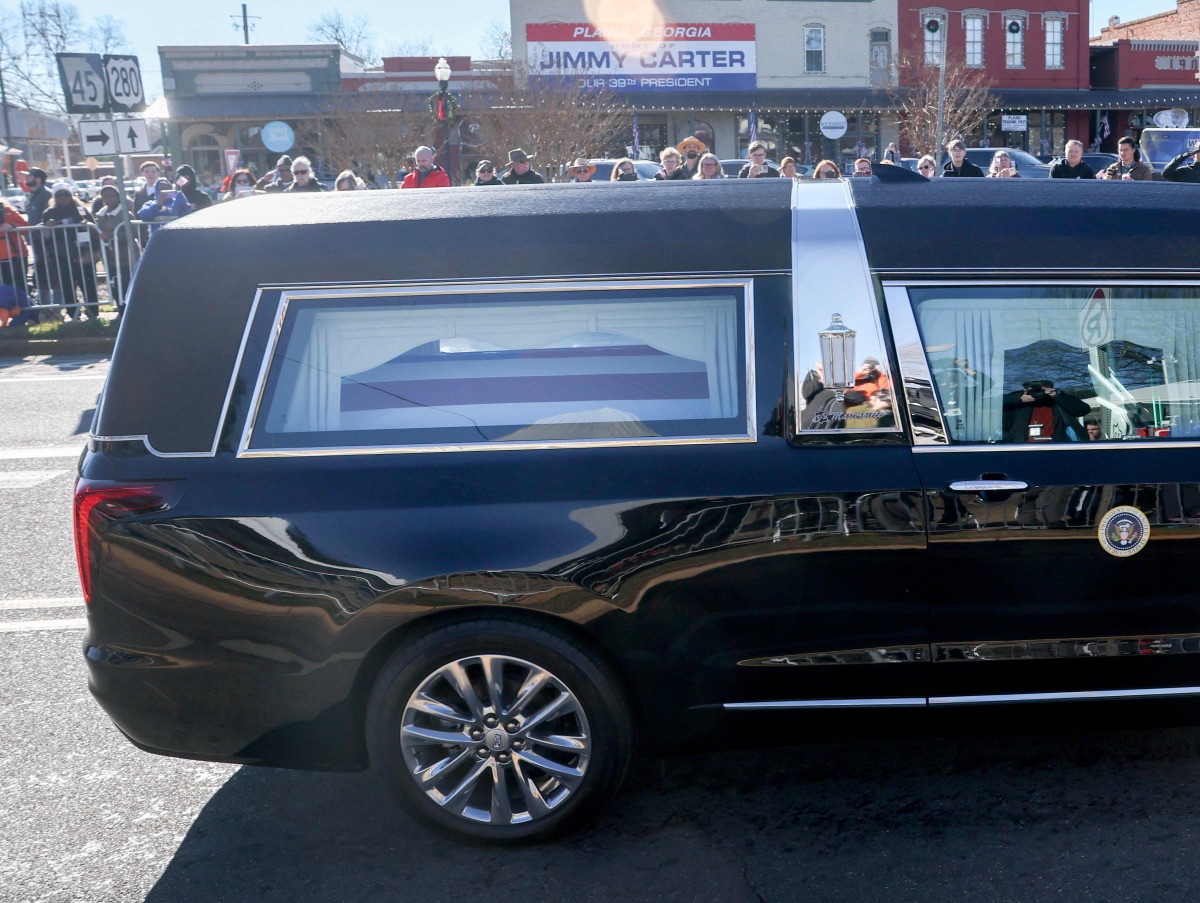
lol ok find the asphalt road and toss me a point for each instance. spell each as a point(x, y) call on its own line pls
point(1026, 811)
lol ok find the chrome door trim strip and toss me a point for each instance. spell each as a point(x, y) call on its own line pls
point(879, 655)
point(883, 703)
point(1072, 696)
point(914, 371)
point(1069, 648)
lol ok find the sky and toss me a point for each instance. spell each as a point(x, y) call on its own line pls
point(452, 26)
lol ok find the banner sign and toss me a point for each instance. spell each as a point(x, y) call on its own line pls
point(669, 57)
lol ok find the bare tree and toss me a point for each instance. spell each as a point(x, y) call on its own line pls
point(31, 39)
point(496, 43)
point(359, 132)
point(968, 100)
point(555, 121)
point(414, 47)
point(107, 35)
point(352, 35)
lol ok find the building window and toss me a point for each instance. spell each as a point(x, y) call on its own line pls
point(973, 26)
point(1014, 41)
point(1054, 43)
point(935, 37)
point(814, 48)
point(881, 57)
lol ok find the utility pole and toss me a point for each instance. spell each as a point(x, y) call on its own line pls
point(7, 125)
point(245, 27)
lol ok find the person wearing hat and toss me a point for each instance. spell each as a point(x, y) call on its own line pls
point(582, 171)
point(485, 173)
point(519, 171)
point(120, 251)
point(186, 181)
point(73, 265)
point(39, 195)
point(278, 178)
point(692, 149)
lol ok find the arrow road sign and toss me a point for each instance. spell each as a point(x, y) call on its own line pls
point(96, 138)
point(132, 136)
point(83, 82)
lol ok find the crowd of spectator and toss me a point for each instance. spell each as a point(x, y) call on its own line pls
point(49, 255)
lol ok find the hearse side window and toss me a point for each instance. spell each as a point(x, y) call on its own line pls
point(1042, 364)
point(480, 368)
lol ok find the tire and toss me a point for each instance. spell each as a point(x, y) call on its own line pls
point(498, 731)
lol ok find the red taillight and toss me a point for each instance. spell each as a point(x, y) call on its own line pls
point(94, 501)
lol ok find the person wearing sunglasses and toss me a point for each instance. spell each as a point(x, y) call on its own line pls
point(485, 174)
point(303, 178)
point(826, 169)
point(582, 171)
point(927, 166)
point(710, 168)
point(241, 185)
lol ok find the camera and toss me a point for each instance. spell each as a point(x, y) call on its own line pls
point(1036, 390)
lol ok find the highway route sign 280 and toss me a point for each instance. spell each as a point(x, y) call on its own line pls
point(95, 84)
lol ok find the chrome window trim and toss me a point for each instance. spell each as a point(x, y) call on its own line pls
point(336, 291)
point(1071, 696)
point(939, 701)
point(915, 371)
point(832, 264)
point(902, 317)
point(886, 702)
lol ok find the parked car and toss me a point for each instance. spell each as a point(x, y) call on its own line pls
point(1160, 146)
point(733, 167)
point(1029, 166)
point(1100, 162)
point(16, 199)
point(481, 522)
point(604, 167)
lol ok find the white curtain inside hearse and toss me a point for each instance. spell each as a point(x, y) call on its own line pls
point(985, 327)
point(466, 358)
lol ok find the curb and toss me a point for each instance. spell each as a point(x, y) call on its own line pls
point(80, 345)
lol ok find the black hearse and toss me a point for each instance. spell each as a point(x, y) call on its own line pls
point(477, 488)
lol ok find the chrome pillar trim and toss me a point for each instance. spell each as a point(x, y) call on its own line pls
point(920, 397)
point(830, 274)
point(881, 703)
point(878, 656)
point(1074, 696)
point(1088, 647)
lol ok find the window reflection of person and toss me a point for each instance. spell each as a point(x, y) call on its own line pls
point(872, 411)
point(1041, 413)
point(823, 410)
point(1095, 431)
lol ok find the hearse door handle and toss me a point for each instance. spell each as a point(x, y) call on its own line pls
point(973, 486)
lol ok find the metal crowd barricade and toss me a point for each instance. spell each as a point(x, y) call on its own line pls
point(74, 266)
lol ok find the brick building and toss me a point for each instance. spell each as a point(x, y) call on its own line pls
point(1034, 59)
point(1181, 22)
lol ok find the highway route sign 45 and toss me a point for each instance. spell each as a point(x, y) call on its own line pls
point(101, 84)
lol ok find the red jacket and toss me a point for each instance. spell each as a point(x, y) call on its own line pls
point(435, 178)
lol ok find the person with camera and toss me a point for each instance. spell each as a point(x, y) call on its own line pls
point(1041, 413)
point(1175, 171)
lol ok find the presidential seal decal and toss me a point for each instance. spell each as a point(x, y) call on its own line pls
point(1124, 531)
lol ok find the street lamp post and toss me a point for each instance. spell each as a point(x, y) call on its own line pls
point(446, 151)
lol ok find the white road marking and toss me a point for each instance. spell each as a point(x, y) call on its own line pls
point(27, 479)
point(35, 452)
point(58, 378)
point(30, 604)
point(25, 626)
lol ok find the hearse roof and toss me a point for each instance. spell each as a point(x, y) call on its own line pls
point(194, 288)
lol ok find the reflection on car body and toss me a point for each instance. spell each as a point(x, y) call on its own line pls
point(478, 522)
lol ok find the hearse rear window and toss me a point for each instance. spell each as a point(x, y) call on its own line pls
point(473, 368)
point(1118, 363)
